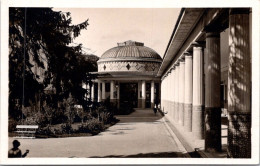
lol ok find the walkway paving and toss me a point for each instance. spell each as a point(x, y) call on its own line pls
point(140, 134)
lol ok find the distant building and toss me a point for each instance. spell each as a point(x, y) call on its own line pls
point(127, 74)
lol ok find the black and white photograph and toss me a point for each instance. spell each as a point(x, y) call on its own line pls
point(121, 82)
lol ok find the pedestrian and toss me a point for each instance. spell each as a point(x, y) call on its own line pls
point(15, 152)
point(155, 109)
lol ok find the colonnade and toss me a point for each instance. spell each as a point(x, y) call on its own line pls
point(183, 91)
point(115, 92)
point(191, 88)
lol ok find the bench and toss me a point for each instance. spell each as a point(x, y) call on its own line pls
point(26, 131)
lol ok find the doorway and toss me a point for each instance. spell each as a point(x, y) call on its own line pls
point(128, 95)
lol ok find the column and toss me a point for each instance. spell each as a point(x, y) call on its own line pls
point(152, 94)
point(143, 93)
point(166, 93)
point(173, 92)
point(169, 93)
point(177, 91)
point(181, 91)
point(92, 92)
point(112, 92)
point(99, 91)
point(188, 93)
point(88, 91)
point(239, 84)
point(103, 91)
point(197, 93)
point(163, 94)
point(212, 93)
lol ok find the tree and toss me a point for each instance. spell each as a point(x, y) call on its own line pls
point(39, 38)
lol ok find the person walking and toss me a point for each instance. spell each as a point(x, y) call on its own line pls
point(155, 109)
point(15, 152)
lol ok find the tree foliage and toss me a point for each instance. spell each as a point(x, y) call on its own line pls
point(39, 38)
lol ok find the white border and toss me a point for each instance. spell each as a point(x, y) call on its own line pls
point(5, 4)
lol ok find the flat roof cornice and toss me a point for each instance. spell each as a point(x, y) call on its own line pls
point(187, 20)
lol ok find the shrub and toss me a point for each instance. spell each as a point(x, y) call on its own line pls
point(12, 124)
point(83, 129)
point(47, 131)
point(58, 117)
point(92, 126)
point(106, 117)
point(66, 128)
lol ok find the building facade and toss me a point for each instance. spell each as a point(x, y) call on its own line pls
point(207, 68)
point(127, 75)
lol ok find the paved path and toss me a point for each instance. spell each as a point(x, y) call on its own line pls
point(140, 134)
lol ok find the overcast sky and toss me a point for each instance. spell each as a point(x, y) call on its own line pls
point(108, 26)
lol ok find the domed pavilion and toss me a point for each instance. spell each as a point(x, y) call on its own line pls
point(127, 75)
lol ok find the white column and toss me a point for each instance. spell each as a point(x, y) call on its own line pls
point(163, 94)
point(198, 93)
point(143, 93)
point(99, 91)
point(92, 92)
point(103, 90)
point(88, 90)
point(84, 86)
point(173, 92)
point(188, 93)
point(169, 93)
point(181, 92)
point(152, 94)
point(112, 91)
point(177, 91)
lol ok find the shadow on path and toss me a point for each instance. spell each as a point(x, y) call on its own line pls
point(154, 155)
point(140, 115)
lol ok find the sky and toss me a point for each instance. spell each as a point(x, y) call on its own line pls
point(109, 26)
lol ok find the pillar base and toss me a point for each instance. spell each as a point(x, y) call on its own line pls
point(198, 122)
point(213, 129)
point(239, 135)
point(187, 117)
point(181, 113)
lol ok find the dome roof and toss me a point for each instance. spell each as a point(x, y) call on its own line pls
point(129, 58)
point(131, 50)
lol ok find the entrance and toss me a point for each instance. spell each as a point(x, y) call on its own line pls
point(128, 95)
